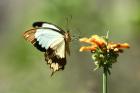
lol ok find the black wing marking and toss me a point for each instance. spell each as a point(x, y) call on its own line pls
point(47, 25)
point(55, 62)
point(38, 24)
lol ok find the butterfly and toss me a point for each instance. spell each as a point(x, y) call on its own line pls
point(52, 41)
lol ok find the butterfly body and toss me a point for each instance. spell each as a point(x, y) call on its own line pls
point(51, 40)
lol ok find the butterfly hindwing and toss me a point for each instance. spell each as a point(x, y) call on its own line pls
point(56, 63)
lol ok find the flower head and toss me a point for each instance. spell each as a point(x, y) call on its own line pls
point(104, 53)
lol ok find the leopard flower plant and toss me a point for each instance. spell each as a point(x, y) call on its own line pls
point(104, 53)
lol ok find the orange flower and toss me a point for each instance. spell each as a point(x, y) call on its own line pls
point(98, 40)
point(95, 42)
point(104, 53)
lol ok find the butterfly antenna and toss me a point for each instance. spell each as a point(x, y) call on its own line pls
point(74, 36)
point(68, 20)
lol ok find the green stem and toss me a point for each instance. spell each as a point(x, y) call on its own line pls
point(104, 80)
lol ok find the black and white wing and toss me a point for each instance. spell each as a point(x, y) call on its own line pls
point(54, 44)
point(50, 40)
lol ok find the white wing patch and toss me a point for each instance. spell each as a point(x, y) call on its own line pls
point(59, 48)
point(50, 26)
point(49, 38)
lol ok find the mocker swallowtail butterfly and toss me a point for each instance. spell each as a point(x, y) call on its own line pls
point(51, 40)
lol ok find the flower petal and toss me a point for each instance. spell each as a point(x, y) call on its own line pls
point(125, 45)
point(88, 48)
point(98, 40)
point(85, 40)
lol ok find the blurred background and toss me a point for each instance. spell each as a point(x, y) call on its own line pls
point(23, 69)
